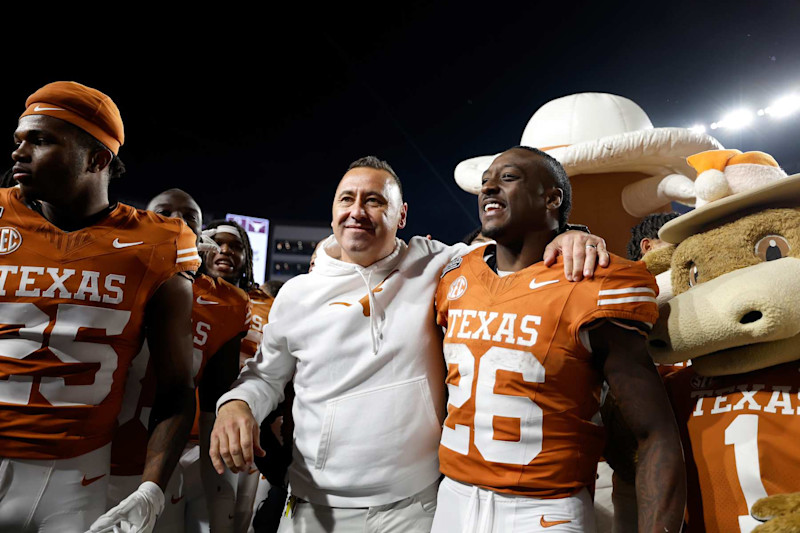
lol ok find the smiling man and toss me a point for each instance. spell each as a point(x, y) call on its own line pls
point(527, 353)
point(359, 335)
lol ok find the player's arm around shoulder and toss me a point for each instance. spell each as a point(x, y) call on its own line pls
point(642, 401)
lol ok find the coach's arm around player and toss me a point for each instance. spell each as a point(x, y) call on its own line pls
point(642, 401)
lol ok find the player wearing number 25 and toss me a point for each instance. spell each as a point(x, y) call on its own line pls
point(80, 280)
point(527, 353)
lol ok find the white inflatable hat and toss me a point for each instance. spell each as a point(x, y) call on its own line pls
point(596, 133)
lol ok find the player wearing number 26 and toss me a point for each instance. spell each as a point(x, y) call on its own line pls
point(527, 353)
point(80, 281)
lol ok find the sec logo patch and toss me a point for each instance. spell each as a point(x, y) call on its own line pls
point(10, 239)
point(457, 288)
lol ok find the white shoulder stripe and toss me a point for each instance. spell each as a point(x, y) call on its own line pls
point(628, 299)
point(184, 259)
point(630, 290)
point(187, 251)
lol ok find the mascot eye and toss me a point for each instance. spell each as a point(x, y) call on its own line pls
point(772, 247)
point(694, 273)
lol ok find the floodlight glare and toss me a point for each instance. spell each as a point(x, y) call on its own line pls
point(698, 128)
point(783, 107)
point(736, 119)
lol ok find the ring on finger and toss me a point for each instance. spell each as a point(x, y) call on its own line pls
point(591, 246)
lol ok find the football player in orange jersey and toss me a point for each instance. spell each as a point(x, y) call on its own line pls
point(234, 262)
point(82, 282)
point(527, 354)
point(220, 317)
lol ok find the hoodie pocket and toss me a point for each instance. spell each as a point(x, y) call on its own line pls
point(378, 428)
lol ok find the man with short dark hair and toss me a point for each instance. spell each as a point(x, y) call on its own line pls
point(527, 354)
point(359, 336)
point(82, 281)
point(644, 235)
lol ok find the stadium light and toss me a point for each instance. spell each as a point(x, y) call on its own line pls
point(735, 120)
point(783, 107)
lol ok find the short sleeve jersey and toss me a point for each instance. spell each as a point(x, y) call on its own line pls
point(523, 388)
point(740, 437)
point(72, 307)
point(219, 313)
point(260, 304)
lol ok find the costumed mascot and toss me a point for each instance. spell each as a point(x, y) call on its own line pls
point(621, 168)
point(736, 314)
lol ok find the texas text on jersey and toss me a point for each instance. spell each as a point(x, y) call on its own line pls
point(219, 313)
point(523, 387)
point(739, 438)
point(71, 320)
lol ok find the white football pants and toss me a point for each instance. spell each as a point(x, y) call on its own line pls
point(63, 495)
point(468, 509)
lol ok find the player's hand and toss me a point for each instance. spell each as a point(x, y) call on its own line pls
point(235, 438)
point(136, 513)
point(583, 253)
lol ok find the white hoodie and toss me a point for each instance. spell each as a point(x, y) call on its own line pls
point(368, 369)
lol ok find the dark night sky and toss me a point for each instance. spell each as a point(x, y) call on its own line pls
point(260, 112)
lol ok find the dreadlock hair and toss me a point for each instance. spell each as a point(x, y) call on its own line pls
point(559, 176)
point(646, 229)
point(371, 161)
point(246, 282)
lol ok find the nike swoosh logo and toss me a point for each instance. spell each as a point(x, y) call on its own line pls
point(118, 244)
point(88, 481)
point(545, 523)
point(175, 500)
point(535, 285)
point(38, 108)
point(205, 302)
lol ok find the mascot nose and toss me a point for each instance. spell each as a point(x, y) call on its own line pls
point(751, 305)
point(750, 317)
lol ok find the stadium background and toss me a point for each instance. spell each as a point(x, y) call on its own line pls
point(259, 110)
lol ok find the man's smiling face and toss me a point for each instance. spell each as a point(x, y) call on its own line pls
point(367, 212)
point(518, 195)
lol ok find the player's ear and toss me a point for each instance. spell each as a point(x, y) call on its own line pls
point(99, 159)
point(645, 245)
point(403, 215)
point(554, 198)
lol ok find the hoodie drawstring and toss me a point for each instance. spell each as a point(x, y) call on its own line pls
point(376, 316)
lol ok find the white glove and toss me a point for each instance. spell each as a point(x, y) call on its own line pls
point(135, 514)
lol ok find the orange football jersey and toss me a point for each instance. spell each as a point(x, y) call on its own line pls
point(740, 437)
point(219, 313)
point(522, 387)
point(260, 304)
point(72, 308)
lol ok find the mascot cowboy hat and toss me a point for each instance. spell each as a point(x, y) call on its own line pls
point(620, 166)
